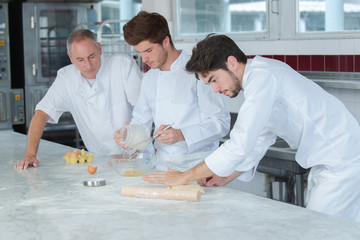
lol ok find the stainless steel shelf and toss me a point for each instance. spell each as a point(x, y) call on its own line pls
point(343, 80)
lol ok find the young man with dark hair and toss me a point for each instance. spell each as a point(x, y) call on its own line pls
point(169, 94)
point(278, 102)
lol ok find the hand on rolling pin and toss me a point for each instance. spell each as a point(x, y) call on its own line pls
point(218, 181)
point(169, 136)
point(169, 178)
point(117, 136)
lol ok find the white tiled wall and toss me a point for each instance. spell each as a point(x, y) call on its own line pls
point(350, 98)
point(292, 47)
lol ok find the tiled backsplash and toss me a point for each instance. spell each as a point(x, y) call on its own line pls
point(350, 98)
point(328, 63)
point(321, 63)
point(318, 63)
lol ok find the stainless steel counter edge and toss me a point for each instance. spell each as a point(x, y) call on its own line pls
point(342, 80)
point(281, 153)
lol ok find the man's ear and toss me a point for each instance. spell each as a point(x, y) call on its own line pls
point(166, 41)
point(99, 47)
point(70, 57)
point(232, 63)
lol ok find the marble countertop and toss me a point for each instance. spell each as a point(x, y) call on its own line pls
point(50, 202)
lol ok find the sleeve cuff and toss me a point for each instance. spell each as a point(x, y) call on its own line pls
point(218, 164)
point(54, 116)
point(248, 175)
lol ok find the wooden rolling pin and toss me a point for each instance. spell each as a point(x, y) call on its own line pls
point(162, 193)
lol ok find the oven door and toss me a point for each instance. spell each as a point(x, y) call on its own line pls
point(33, 95)
point(46, 28)
point(5, 120)
point(64, 132)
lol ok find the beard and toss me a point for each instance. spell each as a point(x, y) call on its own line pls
point(236, 87)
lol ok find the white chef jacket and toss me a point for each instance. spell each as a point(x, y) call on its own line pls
point(281, 102)
point(176, 96)
point(99, 110)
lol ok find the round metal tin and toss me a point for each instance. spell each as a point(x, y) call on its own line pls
point(94, 182)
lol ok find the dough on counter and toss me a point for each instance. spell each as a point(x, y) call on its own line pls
point(189, 186)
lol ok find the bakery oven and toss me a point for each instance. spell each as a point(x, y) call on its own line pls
point(5, 75)
point(39, 37)
point(45, 28)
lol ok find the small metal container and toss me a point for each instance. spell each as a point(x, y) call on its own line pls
point(94, 182)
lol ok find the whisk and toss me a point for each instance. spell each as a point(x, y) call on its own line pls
point(134, 150)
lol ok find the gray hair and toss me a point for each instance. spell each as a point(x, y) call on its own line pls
point(79, 34)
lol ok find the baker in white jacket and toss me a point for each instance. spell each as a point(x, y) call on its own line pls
point(98, 91)
point(278, 102)
point(169, 95)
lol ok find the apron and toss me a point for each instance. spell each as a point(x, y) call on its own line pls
point(335, 193)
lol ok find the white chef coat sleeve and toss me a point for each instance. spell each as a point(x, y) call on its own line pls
point(265, 140)
point(261, 90)
point(131, 80)
point(55, 102)
point(215, 120)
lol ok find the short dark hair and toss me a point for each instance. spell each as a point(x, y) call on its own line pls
point(146, 26)
point(80, 34)
point(211, 54)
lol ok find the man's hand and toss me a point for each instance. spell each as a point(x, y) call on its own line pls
point(27, 161)
point(218, 181)
point(36, 128)
point(169, 178)
point(172, 177)
point(214, 180)
point(169, 136)
point(118, 135)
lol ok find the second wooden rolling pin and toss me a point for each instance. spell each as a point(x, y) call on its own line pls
point(162, 193)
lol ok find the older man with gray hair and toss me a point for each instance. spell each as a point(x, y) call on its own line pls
point(98, 91)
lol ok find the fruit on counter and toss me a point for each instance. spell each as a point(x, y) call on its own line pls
point(77, 156)
point(92, 169)
point(73, 157)
point(67, 156)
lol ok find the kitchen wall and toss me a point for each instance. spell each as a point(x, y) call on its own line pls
point(350, 97)
point(294, 52)
point(299, 51)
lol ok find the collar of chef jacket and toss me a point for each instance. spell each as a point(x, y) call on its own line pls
point(177, 64)
point(248, 65)
point(87, 91)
